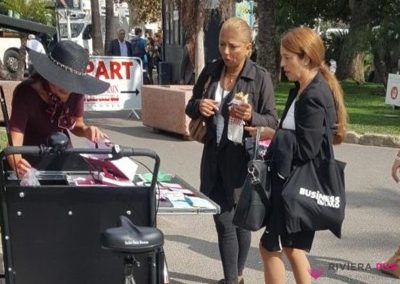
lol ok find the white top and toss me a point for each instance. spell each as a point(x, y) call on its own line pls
point(289, 121)
point(220, 94)
point(123, 48)
point(35, 45)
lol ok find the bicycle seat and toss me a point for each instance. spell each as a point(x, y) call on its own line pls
point(129, 238)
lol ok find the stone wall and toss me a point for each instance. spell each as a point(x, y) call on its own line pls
point(163, 107)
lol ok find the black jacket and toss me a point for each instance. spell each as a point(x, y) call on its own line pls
point(114, 49)
point(290, 148)
point(314, 109)
point(227, 161)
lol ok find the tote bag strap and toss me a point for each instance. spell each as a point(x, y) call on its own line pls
point(329, 135)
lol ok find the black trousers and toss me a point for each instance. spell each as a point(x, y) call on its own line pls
point(233, 242)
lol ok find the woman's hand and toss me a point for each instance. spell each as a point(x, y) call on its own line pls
point(265, 132)
point(242, 111)
point(22, 166)
point(208, 107)
point(94, 134)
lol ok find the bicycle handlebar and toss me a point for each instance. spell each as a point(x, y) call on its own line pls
point(116, 151)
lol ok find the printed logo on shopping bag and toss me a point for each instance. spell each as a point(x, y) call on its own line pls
point(322, 199)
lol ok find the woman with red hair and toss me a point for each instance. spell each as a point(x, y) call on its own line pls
point(316, 102)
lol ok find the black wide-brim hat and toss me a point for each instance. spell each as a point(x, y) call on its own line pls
point(65, 66)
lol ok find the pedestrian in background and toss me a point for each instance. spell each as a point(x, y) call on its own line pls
point(153, 53)
point(188, 61)
point(224, 162)
point(392, 265)
point(119, 46)
point(33, 43)
point(316, 102)
point(139, 50)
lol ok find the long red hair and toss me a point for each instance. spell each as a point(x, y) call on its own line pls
point(305, 42)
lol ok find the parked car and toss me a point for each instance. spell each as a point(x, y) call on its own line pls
point(10, 29)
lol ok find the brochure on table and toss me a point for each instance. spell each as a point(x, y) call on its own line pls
point(176, 196)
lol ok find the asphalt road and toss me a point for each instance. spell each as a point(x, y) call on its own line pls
point(370, 233)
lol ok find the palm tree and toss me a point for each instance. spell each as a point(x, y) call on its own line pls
point(109, 23)
point(267, 38)
point(96, 28)
point(197, 9)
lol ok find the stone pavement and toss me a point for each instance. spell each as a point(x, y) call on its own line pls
point(372, 139)
point(370, 231)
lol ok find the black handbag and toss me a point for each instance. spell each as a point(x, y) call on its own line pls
point(253, 204)
point(314, 194)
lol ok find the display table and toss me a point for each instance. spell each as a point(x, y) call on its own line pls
point(163, 107)
point(203, 205)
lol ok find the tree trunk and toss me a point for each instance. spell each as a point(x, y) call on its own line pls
point(199, 53)
point(199, 47)
point(133, 14)
point(266, 39)
point(96, 29)
point(351, 62)
point(19, 75)
point(381, 70)
point(358, 68)
point(109, 26)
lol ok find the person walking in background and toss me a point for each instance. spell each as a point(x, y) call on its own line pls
point(188, 61)
point(316, 99)
point(152, 51)
point(158, 43)
point(33, 43)
point(119, 46)
point(392, 265)
point(224, 162)
point(139, 50)
point(396, 168)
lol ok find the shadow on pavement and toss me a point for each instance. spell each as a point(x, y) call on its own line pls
point(120, 122)
point(210, 249)
point(181, 278)
point(330, 266)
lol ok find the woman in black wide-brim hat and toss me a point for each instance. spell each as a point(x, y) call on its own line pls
point(52, 100)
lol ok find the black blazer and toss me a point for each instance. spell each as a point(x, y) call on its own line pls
point(114, 49)
point(314, 109)
point(227, 162)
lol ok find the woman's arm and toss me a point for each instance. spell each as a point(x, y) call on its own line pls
point(92, 133)
point(265, 114)
point(197, 105)
point(16, 162)
point(310, 130)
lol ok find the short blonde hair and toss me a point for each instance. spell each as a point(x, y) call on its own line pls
point(239, 24)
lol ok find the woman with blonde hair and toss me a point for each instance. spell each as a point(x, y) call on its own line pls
point(224, 162)
point(316, 102)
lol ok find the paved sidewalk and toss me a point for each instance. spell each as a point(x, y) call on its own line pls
point(370, 232)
